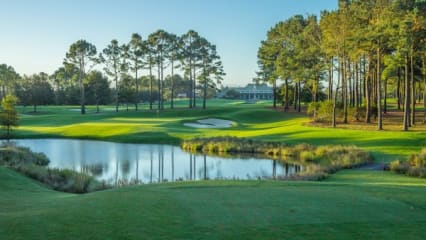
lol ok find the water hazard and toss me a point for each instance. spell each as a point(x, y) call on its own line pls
point(117, 163)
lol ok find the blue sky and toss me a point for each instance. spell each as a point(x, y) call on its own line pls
point(35, 34)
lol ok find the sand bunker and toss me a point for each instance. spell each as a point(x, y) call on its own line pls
point(210, 123)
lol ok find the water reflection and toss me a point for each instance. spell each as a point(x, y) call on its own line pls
point(116, 163)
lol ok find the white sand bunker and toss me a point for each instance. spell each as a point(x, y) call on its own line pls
point(210, 123)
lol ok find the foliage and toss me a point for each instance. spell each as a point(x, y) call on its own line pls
point(64, 180)
point(82, 56)
point(34, 165)
point(326, 159)
point(9, 116)
point(15, 156)
point(36, 90)
point(415, 165)
point(323, 111)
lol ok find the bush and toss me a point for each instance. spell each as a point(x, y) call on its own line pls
point(415, 166)
point(34, 165)
point(356, 113)
point(324, 111)
point(328, 159)
point(13, 156)
point(64, 180)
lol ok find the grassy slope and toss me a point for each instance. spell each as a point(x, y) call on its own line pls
point(254, 121)
point(349, 205)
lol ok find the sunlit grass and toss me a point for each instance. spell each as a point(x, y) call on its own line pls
point(256, 121)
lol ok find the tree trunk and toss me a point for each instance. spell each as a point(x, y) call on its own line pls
point(385, 107)
point(162, 82)
point(330, 81)
point(298, 96)
point(398, 89)
point(150, 85)
point(335, 99)
point(379, 94)
point(286, 95)
point(116, 93)
point(351, 90)
point(345, 92)
point(406, 121)
point(159, 86)
point(413, 90)
point(424, 90)
point(274, 93)
point(368, 97)
point(194, 104)
point(137, 88)
point(204, 88)
point(172, 87)
point(295, 96)
point(82, 97)
point(190, 82)
point(356, 79)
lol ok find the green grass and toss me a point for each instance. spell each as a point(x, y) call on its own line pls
point(349, 205)
point(254, 121)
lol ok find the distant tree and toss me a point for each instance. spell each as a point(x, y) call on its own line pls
point(9, 115)
point(211, 67)
point(113, 58)
point(188, 58)
point(8, 77)
point(98, 90)
point(136, 54)
point(232, 94)
point(159, 39)
point(172, 55)
point(64, 81)
point(148, 46)
point(81, 54)
point(35, 90)
point(127, 90)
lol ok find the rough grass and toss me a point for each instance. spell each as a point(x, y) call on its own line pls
point(318, 160)
point(34, 165)
point(414, 166)
point(349, 205)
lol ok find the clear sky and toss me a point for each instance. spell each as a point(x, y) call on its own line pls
point(36, 34)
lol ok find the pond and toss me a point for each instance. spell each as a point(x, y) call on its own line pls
point(117, 163)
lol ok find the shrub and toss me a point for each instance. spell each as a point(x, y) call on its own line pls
point(64, 180)
point(415, 166)
point(356, 113)
point(324, 111)
point(34, 165)
point(13, 156)
point(329, 159)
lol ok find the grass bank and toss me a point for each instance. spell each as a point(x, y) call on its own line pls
point(349, 205)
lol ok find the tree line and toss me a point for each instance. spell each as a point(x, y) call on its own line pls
point(186, 65)
point(350, 61)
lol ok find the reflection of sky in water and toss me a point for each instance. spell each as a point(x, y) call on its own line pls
point(143, 162)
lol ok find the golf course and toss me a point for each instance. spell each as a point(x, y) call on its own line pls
point(350, 204)
point(213, 119)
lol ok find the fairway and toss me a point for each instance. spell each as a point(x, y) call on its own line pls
point(254, 121)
